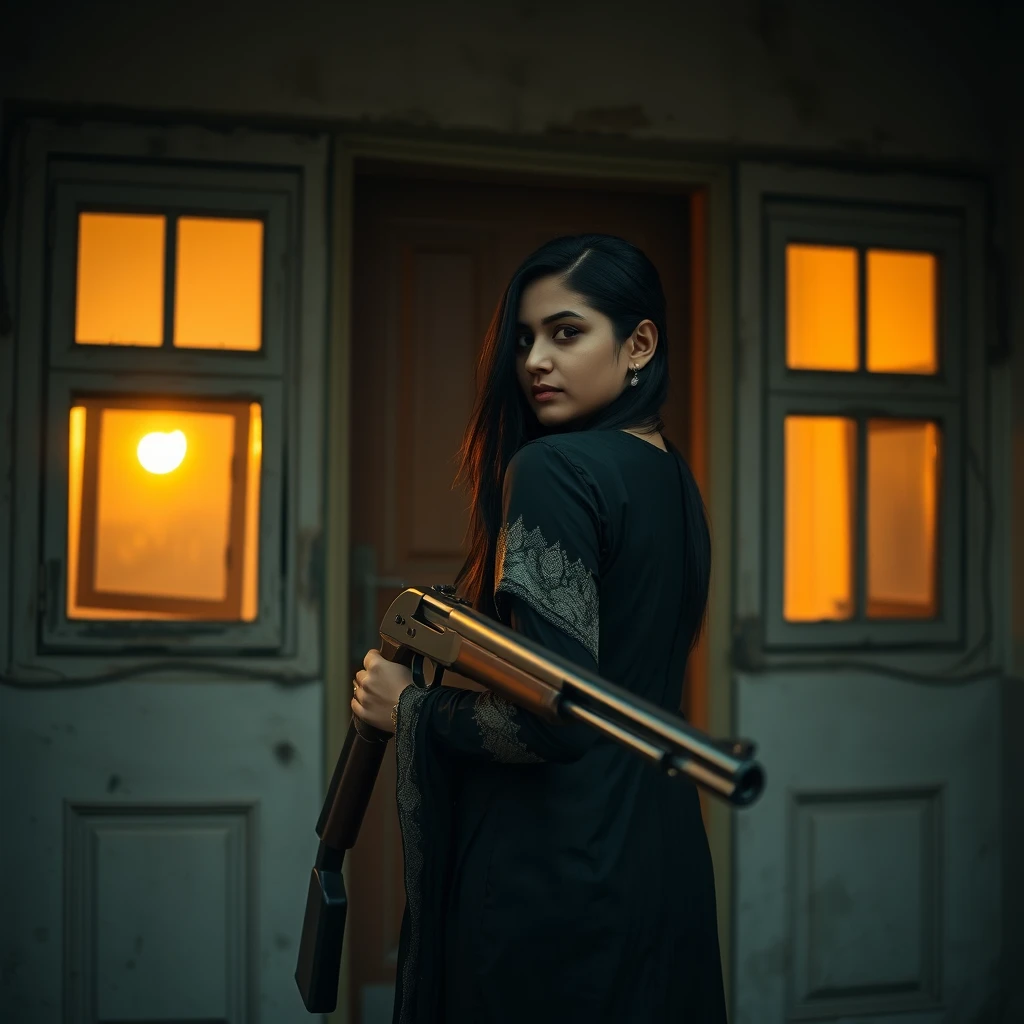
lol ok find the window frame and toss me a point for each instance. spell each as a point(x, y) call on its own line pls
point(255, 198)
point(229, 609)
point(57, 631)
point(797, 223)
point(904, 212)
point(862, 394)
point(293, 166)
point(946, 628)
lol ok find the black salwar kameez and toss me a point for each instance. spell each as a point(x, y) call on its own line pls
point(553, 876)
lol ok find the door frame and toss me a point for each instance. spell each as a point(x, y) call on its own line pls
point(711, 397)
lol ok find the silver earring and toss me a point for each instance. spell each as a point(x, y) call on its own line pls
point(636, 377)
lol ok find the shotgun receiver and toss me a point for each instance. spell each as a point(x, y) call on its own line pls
point(435, 625)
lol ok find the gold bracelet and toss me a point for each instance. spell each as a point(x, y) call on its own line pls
point(394, 717)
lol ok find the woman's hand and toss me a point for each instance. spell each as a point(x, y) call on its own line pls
point(378, 685)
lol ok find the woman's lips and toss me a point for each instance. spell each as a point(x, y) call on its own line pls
point(544, 394)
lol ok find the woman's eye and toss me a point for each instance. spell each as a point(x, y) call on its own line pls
point(565, 333)
point(523, 341)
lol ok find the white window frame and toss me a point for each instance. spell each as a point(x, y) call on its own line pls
point(282, 181)
point(778, 205)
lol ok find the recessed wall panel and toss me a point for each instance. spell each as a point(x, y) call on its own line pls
point(158, 921)
point(866, 907)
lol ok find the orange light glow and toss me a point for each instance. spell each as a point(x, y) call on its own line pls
point(902, 506)
point(821, 308)
point(902, 312)
point(218, 295)
point(162, 453)
point(120, 279)
point(250, 570)
point(819, 512)
point(162, 535)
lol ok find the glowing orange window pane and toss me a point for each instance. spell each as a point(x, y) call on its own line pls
point(250, 567)
point(218, 297)
point(820, 485)
point(162, 518)
point(120, 279)
point(901, 312)
point(902, 501)
point(821, 308)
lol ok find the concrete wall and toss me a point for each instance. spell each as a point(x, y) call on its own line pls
point(889, 78)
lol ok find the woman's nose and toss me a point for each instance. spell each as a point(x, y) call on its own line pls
point(538, 361)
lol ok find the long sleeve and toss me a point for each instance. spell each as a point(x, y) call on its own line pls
point(546, 588)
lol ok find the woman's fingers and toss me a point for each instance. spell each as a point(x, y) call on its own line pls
point(373, 713)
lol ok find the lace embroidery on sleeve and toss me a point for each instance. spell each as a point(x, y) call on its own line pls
point(541, 574)
point(495, 717)
point(408, 798)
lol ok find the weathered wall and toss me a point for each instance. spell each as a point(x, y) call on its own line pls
point(895, 78)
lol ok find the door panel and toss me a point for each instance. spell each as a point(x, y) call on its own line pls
point(159, 834)
point(868, 873)
point(431, 260)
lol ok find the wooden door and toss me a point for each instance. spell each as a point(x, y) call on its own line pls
point(431, 259)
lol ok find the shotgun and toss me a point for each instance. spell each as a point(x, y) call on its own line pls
point(436, 625)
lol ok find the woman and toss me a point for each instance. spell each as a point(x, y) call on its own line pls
point(552, 876)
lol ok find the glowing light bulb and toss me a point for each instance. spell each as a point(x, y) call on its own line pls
point(162, 453)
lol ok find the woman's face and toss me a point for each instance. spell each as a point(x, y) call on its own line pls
point(565, 345)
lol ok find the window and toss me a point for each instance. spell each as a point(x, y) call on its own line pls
point(820, 483)
point(864, 407)
point(218, 284)
point(163, 503)
point(214, 298)
point(120, 272)
point(166, 381)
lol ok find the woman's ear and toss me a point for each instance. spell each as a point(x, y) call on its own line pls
point(643, 342)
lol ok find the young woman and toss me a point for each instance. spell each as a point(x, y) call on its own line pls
point(552, 877)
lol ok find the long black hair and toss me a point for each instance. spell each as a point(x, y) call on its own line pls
point(618, 280)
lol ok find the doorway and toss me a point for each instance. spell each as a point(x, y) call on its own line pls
point(432, 251)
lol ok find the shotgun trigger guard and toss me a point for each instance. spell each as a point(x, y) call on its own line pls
point(419, 679)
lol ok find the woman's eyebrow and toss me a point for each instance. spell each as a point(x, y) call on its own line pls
point(566, 313)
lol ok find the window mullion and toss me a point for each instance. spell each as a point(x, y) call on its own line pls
point(862, 312)
point(860, 582)
point(170, 276)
